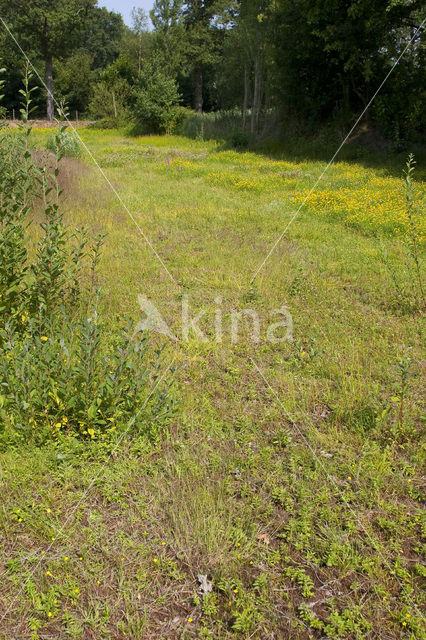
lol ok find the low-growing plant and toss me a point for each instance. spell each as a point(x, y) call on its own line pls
point(64, 144)
point(77, 380)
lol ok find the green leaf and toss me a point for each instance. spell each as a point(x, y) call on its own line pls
point(92, 411)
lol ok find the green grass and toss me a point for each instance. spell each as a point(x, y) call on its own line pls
point(301, 501)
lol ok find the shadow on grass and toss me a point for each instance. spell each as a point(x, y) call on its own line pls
point(359, 150)
point(294, 141)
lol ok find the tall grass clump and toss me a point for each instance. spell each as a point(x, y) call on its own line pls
point(230, 126)
point(218, 125)
point(62, 372)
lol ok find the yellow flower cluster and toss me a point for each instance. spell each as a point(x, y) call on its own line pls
point(232, 180)
point(378, 204)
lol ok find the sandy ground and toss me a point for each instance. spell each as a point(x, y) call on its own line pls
point(47, 125)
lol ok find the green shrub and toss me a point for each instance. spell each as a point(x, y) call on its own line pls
point(179, 115)
point(157, 102)
point(75, 378)
point(64, 144)
point(110, 101)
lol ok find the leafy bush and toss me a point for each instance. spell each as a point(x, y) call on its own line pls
point(64, 144)
point(74, 378)
point(61, 371)
point(113, 97)
point(110, 101)
point(73, 81)
point(157, 102)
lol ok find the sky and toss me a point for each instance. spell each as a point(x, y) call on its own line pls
point(125, 7)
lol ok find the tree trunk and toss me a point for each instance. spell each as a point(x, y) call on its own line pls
point(114, 105)
point(266, 99)
point(198, 90)
point(50, 109)
point(245, 99)
point(256, 95)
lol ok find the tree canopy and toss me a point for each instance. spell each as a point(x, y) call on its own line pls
point(313, 60)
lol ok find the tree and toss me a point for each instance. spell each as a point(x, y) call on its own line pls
point(140, 27)
point(201, 50)
point(101, 36)
point(157, 100)
point(14, 65)
point(113, 94)
point(169, 35)
point(51, 27)
point(254, 35)
point(332, 55)
point(73, 81)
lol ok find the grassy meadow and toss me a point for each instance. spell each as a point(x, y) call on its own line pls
point(290, 476)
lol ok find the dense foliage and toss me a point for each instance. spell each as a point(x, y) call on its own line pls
point(156, 106)
point(310, 61)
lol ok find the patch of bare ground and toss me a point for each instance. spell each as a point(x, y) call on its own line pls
point(45, 124)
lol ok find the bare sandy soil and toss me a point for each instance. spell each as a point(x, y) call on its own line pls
point(48, 125)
